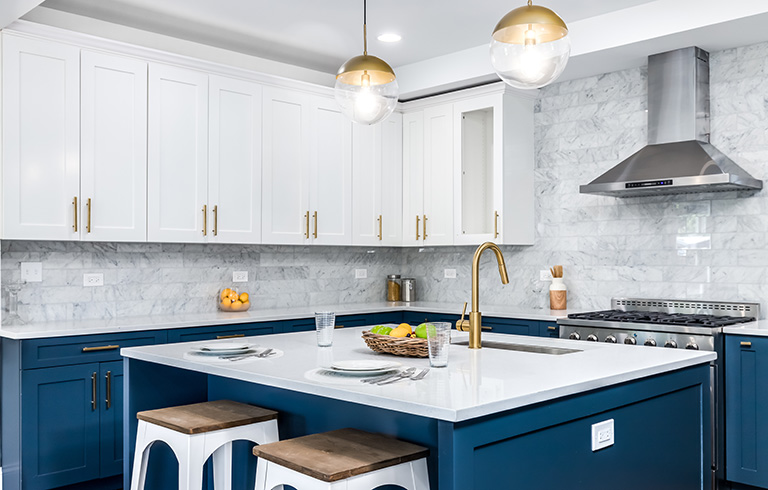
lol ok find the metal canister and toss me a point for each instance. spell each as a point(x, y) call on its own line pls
point(393, 287)
point(408, 292)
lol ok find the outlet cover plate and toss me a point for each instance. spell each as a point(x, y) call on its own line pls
point(545, 275)
point(361, 273)
point(32, 271)
point(450, 273)
point(240, 276)
point(93, 279)
point(602, 435)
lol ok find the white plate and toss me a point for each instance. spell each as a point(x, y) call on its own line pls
point(222, 348)
point(364, 365)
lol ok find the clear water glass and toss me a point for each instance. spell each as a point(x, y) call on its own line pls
point(438, 343)
point(325, 322)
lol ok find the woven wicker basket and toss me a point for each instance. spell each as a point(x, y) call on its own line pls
point(399, 346)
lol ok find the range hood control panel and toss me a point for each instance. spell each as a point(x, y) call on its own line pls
point(649, 183)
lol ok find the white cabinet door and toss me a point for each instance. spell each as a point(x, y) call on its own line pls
point(330, 190)
point(285, 184)
point(366, 184)
point(234, 163)
point(178, 155)
point(41, 139)
point(437, 224)
point(413, 177)
point(114, 148)
point(391, 180)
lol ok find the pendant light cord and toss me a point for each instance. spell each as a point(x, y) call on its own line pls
point(365, 27)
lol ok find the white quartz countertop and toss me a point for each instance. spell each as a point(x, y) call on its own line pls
point(159, 322)
point(757, 329)
point(475, 383)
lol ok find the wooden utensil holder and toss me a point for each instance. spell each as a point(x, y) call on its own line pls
point(558, 300)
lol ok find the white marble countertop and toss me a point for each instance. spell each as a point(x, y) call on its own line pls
point(758, 329)
point(159, 322)
point(475, 383)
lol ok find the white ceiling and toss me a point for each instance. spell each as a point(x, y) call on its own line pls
point(322, 34)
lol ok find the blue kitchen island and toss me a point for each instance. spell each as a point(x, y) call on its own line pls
point(494, 418)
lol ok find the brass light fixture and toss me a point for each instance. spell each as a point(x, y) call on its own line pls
point(366, 88)
point(530, 47)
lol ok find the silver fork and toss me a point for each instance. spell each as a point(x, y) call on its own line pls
point(263, 354)
point(405, 374)
point(421, 375)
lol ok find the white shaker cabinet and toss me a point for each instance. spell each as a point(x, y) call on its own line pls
point(113, 204)
point(413, 177)
point(377, 182)
point(41, 139)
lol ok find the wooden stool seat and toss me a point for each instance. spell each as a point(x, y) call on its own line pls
point(340, 454)
point(207, 416)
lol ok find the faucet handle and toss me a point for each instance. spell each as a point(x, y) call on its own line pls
point(463, 325)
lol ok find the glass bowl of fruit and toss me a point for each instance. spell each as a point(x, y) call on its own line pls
point(230, 299)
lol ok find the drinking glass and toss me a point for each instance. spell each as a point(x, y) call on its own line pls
point(438, 343)
point(325, 321)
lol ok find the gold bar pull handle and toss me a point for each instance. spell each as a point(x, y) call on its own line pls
point(417, 227)
point(205, 220)
point(746, 344)
point(216, 220)
point(93, 391)
point(109, 389)
point(306, 235)
point(315, 233)
point(74, 206)
point(551, 328)
point(495, 224)
point(233, 336)
point(424, 225)
point(88, 223)
point(487, 328)
point(380, 234)
point(100, 348)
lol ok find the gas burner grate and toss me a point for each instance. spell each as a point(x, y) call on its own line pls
point(662, 318)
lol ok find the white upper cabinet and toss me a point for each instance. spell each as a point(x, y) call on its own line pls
point(413, 177)
point(437, 222)
point(178, 155)
point(234, 163)
point(113, 163)
point(41, 139)
point(377, 171)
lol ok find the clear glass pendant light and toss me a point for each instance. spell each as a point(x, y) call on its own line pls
point(530, 47)
point(366, 88)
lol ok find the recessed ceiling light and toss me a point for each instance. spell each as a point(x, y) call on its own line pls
point(389, 37)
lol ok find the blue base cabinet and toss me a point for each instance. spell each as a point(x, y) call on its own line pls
point(746, 410)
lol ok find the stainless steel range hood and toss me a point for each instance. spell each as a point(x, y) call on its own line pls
point(678, 158)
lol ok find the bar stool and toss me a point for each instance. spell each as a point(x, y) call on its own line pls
point(196, 431)
point(348, 459)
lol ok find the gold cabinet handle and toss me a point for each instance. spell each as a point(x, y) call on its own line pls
point(216, 220)
point(100, 348)
point(338, 326)
point(315, 233)
point(424, 225)
point(746, 344)
point(233, 336)
point(417, 227)
point(495, 224)
point(93, 391)
point(486, 328)
point(306, 235)
point(205, 220)
point(74, 206)
point(380, 234)
point(88, 224)
point(109, 389)
point(551, 328)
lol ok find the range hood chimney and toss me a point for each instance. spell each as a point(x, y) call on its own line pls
point(678, 158)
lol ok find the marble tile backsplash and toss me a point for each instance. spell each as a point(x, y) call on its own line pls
point(697, 246)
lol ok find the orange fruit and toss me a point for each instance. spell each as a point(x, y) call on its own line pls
point(233, 295)
point(236, 305)
point(244, 297)
point(225, 293)
point(226, 304)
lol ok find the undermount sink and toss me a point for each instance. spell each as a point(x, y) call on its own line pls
point(535, 349)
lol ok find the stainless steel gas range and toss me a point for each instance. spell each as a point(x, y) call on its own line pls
point(675, 324)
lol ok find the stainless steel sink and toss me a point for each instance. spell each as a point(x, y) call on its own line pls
point(536, 349)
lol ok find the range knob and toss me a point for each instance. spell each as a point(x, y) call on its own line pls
point(692, 346)
point(592, 337)
point(575, 336)
point(650, 342)
point(610, 339)
point(630, 341)
point(670, 344)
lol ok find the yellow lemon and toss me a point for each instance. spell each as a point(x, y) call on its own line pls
point(225, 293)
point(405, 326)
point(400, 332)
point(244, 297)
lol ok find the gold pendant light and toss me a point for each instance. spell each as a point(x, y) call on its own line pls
point(366, 88)
point(530, 47)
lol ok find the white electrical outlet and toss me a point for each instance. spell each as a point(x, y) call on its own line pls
point(450, 273)
point(545, 275)
point(602, 435)
point(32, 271)
point(240, 276)
point(93, 279)
point(361, 273)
